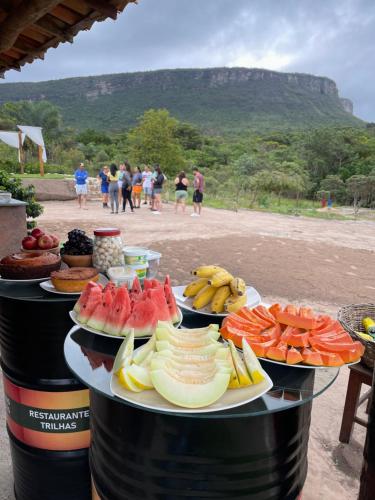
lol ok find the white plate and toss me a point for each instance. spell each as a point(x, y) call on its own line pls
point(48, 286)
point(73, 316)
point(230, 399)
point(253, 299)
point(299, 365)
point(35, 280)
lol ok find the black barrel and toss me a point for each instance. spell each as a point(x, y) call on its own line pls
point(47, 408)
point(367, 487)
point(137, 454)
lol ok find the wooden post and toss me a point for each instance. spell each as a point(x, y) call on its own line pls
point(367, 485)
point(41, 163)
point(22, 157)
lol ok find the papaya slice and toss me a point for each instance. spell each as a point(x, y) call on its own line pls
point(294, 320)
point(261, 348)
point(272, 333)
point(298, 338)
point(293, 356)
point(278, 352)
point(337, 338)
point(249, 315)
point(306, 312)
point(274, 309)
point(246, 327)
point(291, 309)
point(264, 314)
point(312, 358)
point(330, 358)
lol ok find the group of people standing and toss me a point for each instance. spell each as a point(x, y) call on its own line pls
point(123, 185)
point(126, 184)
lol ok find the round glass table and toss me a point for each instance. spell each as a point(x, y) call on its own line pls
point(255, 451)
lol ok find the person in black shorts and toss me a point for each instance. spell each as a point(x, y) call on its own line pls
point(198, 193)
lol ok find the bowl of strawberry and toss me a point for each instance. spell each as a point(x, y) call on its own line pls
point(40, 242)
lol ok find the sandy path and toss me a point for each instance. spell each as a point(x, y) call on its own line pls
point(309, 261)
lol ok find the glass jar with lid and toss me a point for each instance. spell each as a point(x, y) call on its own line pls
point(107, 248)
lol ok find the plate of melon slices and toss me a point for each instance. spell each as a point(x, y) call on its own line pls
point(187, 371)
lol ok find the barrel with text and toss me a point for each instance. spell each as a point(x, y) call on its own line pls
point(48, 420)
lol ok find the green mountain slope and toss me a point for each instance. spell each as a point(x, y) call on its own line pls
point(227, 99)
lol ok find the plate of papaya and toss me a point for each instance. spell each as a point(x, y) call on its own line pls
point(292, 336)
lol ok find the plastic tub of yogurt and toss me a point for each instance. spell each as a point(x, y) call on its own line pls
point(135, 256)
point(120, 275)
point(140, 270)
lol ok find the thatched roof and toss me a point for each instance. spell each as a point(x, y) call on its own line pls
point(28, 28)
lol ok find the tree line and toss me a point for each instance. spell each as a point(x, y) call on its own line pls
point(329, 161)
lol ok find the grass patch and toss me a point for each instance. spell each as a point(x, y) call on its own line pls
point(38, 176)
point(270, 203)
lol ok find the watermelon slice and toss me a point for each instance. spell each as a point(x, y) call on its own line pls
point(85, 295)
point(136, 288)
point(158, 298)
point(111, 287)
point(93, 299)
point(171, 301)
point(119, 312)
point(99, 315)
point(142, 320)
point(147, 284)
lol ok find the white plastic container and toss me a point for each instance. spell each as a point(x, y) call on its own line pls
point(135, 256)
point(141, 270)
point(153, 264)
point(120, 275)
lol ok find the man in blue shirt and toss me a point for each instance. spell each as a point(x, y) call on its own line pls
point(81, 176)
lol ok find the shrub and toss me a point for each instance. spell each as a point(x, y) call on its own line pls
point(22, 193)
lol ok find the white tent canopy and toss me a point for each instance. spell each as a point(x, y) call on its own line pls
point(12, 139)
point(35, 134)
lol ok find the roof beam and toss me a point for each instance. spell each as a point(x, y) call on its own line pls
point(25, 14)
point(103, 7)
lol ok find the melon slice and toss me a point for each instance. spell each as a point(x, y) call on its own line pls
point(142, 319)
point(126, 381)
point(119, 312)
point(100, 314)
point(207, 349)
point(240, 367)
point(125, 353)
point(189, 391)
point(183, 335)
point(140, 376)
point(252, 363)
point(142, 352)
point(92, 301)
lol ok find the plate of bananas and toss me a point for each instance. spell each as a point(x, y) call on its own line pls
point(215, 292)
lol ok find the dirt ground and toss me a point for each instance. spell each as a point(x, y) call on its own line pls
point(323, 263)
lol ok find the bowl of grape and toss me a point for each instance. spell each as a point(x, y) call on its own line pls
point(77, 251)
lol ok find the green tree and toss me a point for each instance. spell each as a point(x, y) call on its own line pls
point(37, 114)
point(335, 186)
point(362, 189)
point(154, 140)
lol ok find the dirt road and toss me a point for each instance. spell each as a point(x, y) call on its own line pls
point(323, 263)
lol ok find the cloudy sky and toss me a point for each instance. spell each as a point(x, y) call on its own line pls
point(334, 38)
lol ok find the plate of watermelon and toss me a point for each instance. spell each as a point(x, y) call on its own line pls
point(113, 311)
point(292, 336)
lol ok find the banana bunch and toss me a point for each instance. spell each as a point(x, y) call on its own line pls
point(216, 287)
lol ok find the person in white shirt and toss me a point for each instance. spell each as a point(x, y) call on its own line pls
point(147, 184)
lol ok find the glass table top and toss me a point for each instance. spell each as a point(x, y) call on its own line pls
point(30, 292)
point(91, 357)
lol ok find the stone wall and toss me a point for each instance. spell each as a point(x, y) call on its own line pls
point(60, 189)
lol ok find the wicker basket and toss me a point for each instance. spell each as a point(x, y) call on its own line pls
point(351, 317)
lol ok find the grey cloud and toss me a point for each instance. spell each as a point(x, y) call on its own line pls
point(333, 38)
